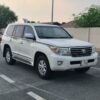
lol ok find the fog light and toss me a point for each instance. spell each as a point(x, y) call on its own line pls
point(59, 63)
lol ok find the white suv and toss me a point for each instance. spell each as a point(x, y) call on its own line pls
point(46, 47)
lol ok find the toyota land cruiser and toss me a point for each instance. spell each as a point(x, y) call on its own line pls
point(46, 47)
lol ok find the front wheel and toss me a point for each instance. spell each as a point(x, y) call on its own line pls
point(8, 57)
point(82, 70)
point(43, 67)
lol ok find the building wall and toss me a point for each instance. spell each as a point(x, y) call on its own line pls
point(87, 34)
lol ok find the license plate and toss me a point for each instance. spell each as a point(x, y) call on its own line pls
point(84, 62)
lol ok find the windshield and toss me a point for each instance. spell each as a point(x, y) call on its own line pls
point(51, 32)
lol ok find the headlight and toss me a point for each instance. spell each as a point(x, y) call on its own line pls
point(60, 51)
point(93, 49)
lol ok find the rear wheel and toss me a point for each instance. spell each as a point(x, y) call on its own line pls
point(43, 67)
point(8, 57)
point(82, 70)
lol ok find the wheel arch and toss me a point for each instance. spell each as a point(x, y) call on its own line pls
point(37, 54)
point(4, 49)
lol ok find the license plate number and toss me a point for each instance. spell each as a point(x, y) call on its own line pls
point(84, 63)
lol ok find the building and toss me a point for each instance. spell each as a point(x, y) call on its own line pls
point(70, 24)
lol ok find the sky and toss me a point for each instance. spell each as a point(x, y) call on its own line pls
point(40, 10)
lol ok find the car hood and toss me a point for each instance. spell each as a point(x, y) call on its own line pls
point(64, 42)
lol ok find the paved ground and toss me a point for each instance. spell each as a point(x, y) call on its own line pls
point(20, 82)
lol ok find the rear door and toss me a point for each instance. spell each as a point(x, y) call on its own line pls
point(17, 40)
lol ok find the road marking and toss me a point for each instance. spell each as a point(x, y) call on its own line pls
point(47, 92)
point(7, 78)
point(35, 96)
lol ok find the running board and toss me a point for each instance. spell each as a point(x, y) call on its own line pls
point(22, 60)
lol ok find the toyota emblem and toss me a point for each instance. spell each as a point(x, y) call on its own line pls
point(83, 51)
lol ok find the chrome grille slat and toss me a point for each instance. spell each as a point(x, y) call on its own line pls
point(78, 51)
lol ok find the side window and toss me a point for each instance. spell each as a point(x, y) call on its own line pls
point(18, 32)
point(28, 30)
point(10, 30)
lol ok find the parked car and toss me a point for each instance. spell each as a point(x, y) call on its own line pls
point(46, 47)
point(2, 31)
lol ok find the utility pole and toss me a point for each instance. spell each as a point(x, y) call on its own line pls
point(52, 13)
point(89, 35)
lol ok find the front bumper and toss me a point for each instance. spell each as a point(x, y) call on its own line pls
point(61, 63)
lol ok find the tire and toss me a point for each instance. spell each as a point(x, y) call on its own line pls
point(43, 67)
point(8, 57)
point(82, 70)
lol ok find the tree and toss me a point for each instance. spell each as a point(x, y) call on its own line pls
point(6, 16)
point(89, 18)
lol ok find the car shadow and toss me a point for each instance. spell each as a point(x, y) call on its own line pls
point(69, 75)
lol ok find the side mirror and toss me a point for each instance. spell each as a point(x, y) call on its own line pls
point(29, 36)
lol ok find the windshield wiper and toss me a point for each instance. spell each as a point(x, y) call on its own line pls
point(50, 37)
point(54, 37)
point(63, 37)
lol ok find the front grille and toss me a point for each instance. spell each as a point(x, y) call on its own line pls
point(81, 51)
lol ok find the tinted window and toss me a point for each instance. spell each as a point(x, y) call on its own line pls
point(10, 30)
point(18, 32)
point(51, 32)
point(28, 30)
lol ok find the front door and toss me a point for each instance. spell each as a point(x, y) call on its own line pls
point(27, 46)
